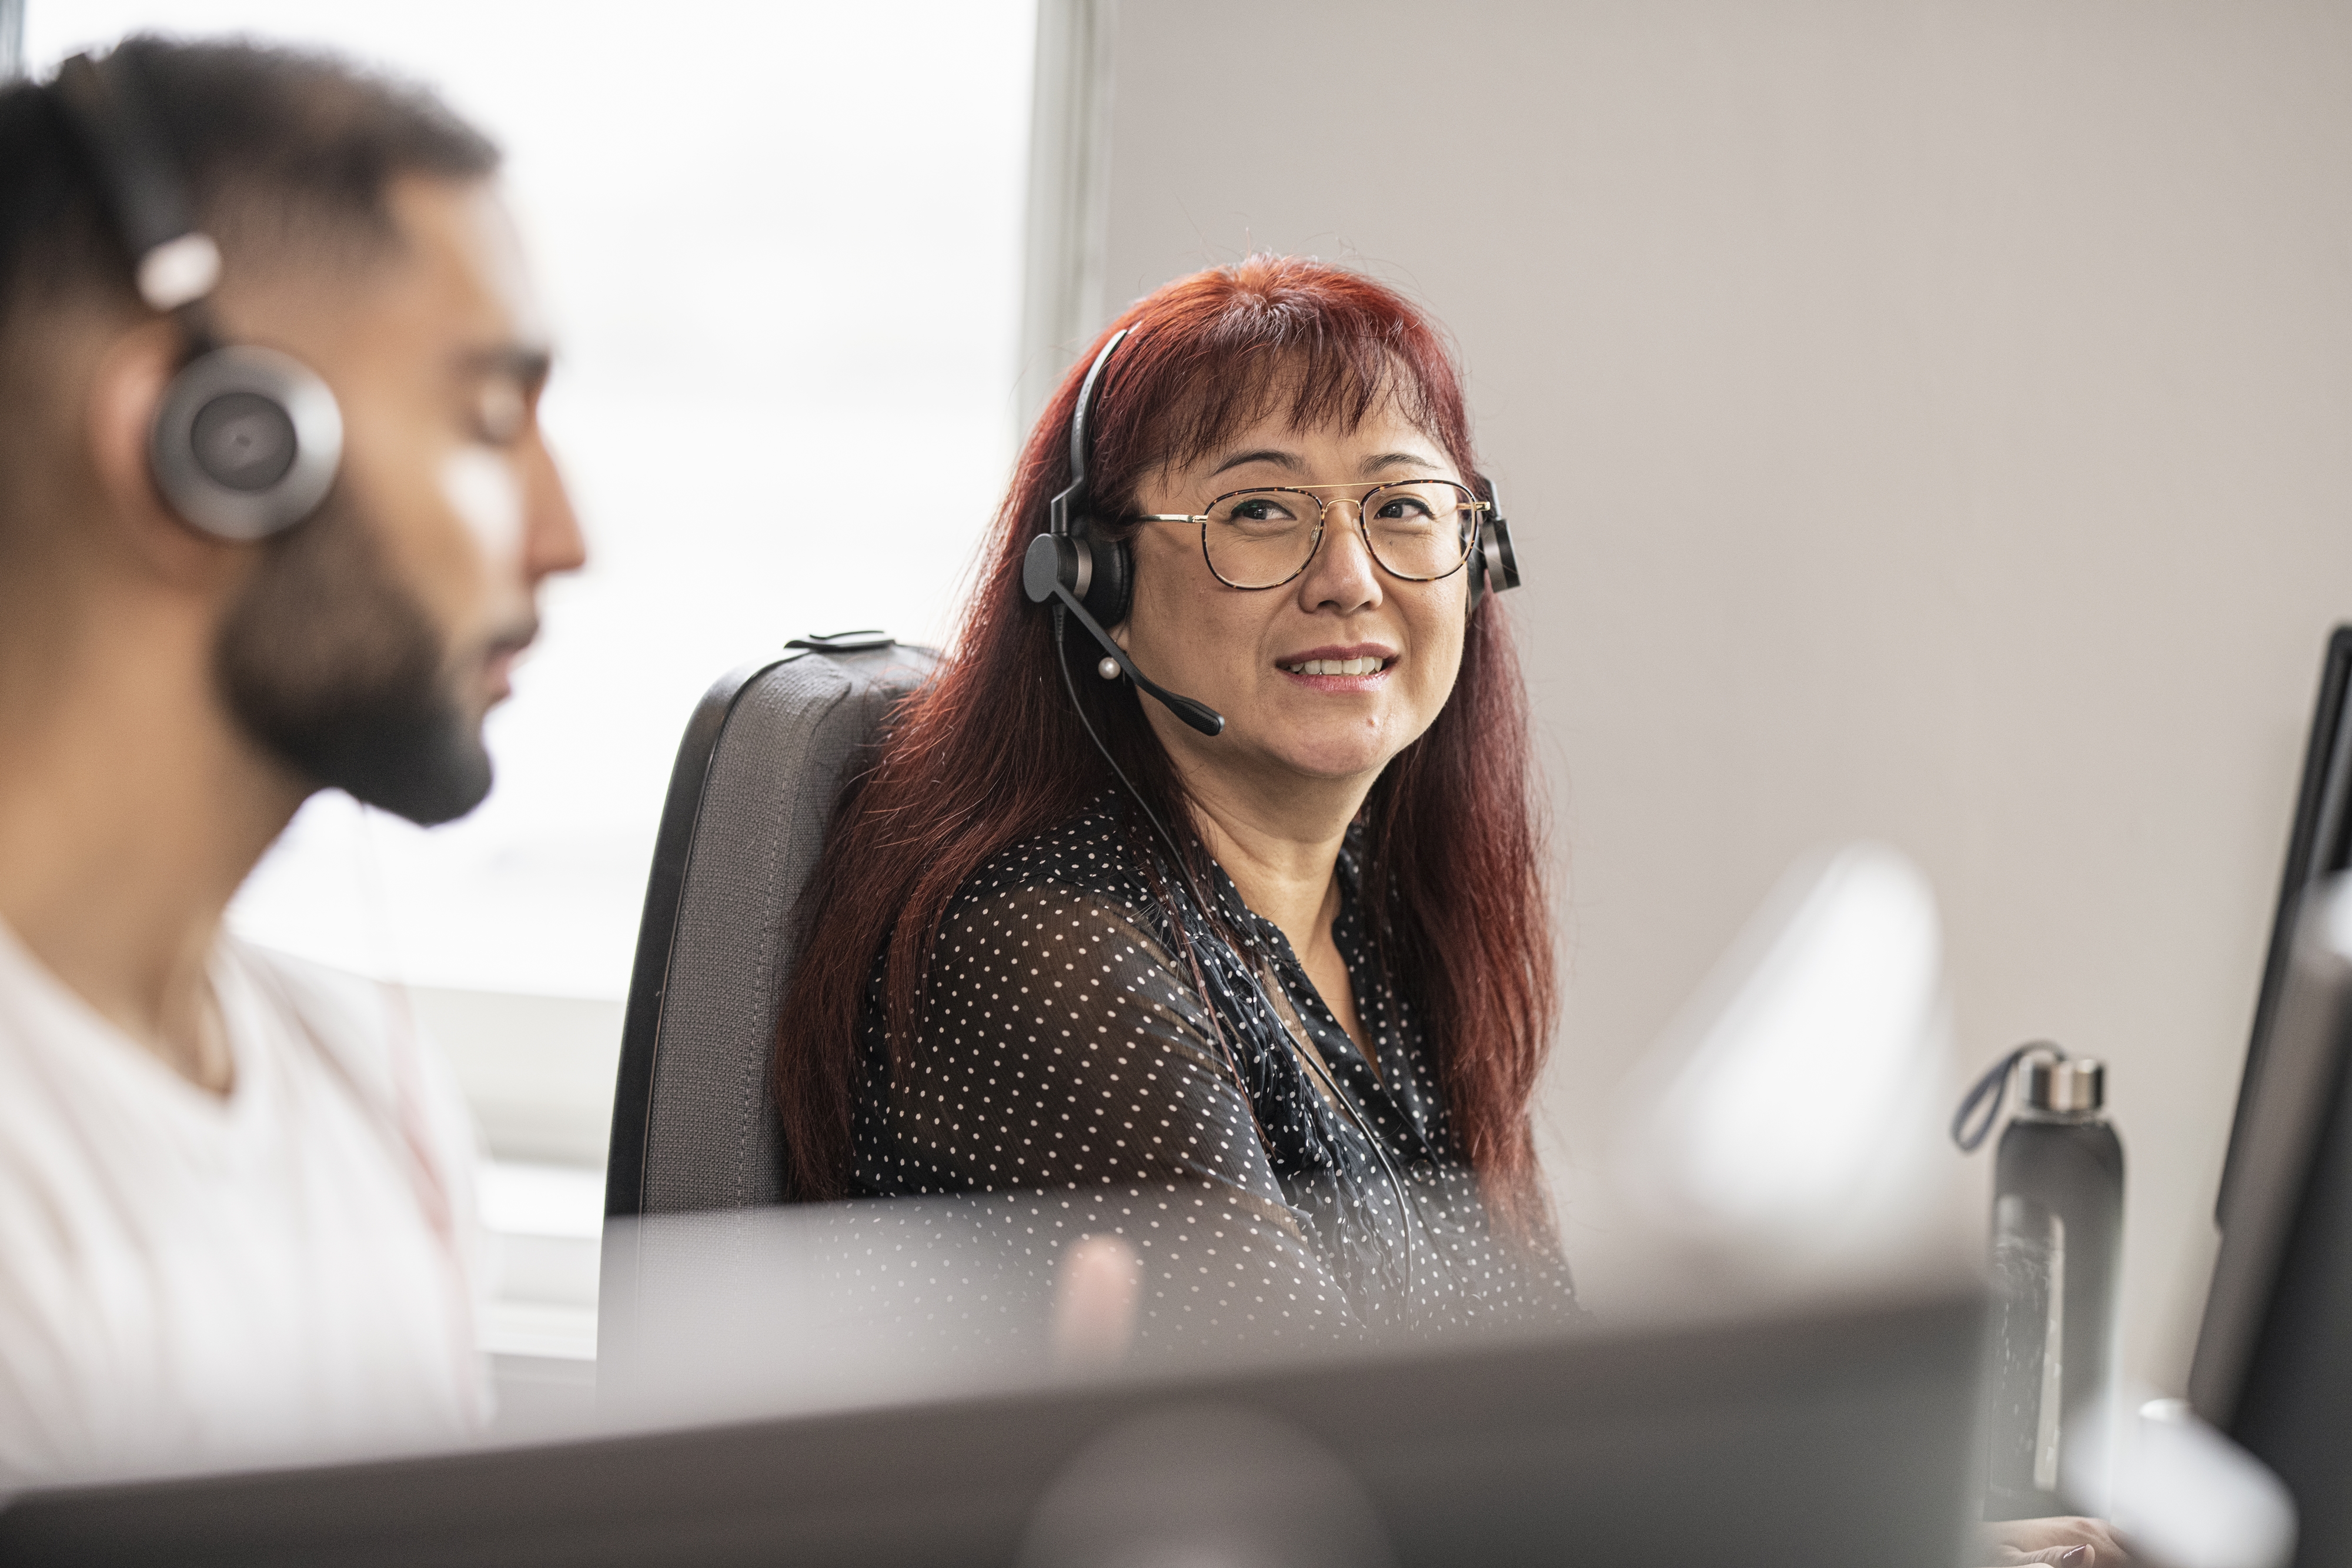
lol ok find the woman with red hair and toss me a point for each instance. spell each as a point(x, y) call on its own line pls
point(1268, 998)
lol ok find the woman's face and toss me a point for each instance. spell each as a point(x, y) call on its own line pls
point(1241, 651)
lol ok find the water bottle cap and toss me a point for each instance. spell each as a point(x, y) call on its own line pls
point(2073, 1087)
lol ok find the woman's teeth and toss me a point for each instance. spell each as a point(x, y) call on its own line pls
point(1363, 666)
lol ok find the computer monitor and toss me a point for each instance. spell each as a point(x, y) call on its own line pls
point(2318, 846)
point(2274, 1363)
point(1838, 1435)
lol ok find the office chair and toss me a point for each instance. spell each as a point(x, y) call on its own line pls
point(750, 798)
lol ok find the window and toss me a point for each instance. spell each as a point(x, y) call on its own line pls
point(783, 247)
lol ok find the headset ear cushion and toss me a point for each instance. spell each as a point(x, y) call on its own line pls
point(245, 442)
point(1493, 564)
point(1503, 559)
point(1112, 581)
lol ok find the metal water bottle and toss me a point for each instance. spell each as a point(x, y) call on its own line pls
point(2057, 1247)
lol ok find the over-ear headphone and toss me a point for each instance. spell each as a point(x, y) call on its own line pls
point(245, 441)
point(1493, 564)
point(1106, 568)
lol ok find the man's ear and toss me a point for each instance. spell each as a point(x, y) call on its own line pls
point(123, 394)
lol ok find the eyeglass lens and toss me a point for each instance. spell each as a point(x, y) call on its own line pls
point(1262, 539)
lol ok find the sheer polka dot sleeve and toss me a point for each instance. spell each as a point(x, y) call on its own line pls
point(1059, 1051)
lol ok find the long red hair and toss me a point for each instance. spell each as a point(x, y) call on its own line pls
point(989, 751)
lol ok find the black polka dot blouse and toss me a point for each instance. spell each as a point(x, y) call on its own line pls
point(1274, 1185)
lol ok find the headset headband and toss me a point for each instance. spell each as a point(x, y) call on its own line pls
point(176, 264)
point(1057, 510)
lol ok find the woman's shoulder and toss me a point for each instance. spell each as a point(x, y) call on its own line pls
point(1068, 914)
point(1090, 854)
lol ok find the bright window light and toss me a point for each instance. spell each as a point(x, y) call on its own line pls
point(782, 241)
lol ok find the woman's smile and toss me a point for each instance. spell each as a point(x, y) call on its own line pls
point(1360, 667)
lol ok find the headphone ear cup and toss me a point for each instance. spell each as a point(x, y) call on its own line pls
point(1111, 583)
point(1503, 559)
point(245, 442)
point(1493, 562)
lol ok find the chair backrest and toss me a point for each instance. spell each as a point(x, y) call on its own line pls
point(749, 798)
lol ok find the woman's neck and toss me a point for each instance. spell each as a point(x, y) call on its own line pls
point(1280, 852)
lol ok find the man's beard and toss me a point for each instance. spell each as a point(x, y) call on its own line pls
point(334, 667)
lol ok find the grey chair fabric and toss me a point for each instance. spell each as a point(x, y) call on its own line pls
point(753, 791)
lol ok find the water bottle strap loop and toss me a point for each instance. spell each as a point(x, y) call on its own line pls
point(1995, 1084)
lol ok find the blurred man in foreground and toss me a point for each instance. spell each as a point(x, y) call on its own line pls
point(274, 509)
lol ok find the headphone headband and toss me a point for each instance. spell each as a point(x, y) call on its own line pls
point(1057, 510)
point(176, 262)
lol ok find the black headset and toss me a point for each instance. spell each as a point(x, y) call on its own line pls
point(245, 441)
point(1093, 577)
point(1074, 567)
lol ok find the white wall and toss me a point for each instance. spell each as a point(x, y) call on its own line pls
point(1924, 421)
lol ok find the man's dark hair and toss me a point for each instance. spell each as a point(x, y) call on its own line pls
point(281, 150)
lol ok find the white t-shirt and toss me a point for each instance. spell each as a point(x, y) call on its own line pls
point(189, 1280)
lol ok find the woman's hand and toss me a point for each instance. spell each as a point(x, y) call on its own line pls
point(2069, 1542)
